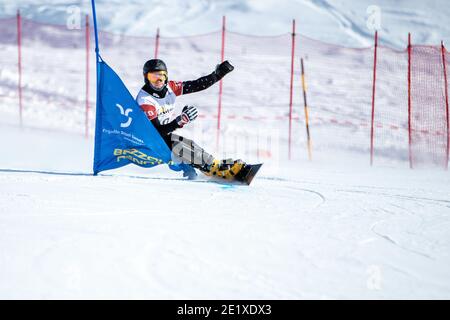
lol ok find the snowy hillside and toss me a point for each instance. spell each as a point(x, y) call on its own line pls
point(311, 231)
point(333, 227)
point(334, 21)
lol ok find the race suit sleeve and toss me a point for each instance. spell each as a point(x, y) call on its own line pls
point(191, 86)
point(152, 114)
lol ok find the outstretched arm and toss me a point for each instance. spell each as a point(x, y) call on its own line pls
point(207, 81)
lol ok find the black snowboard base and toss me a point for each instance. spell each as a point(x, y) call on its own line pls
point(247, 173)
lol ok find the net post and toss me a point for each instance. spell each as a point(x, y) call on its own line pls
point(308, 136)
point(291, 89)
point(409, 101)
point(87, 77)
point(444, 63)
point(219, 105)
point(157, 43)
point(19, 64)
point(373, 96)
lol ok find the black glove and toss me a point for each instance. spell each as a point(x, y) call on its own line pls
point(188, 114)
point(223, 68)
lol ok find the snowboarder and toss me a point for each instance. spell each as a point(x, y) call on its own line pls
point(157, 100)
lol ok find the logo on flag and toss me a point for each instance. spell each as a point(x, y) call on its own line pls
point(125, 113)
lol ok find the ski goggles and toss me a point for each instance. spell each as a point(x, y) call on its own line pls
point(157, 75)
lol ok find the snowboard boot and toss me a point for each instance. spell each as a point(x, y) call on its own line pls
point(191, 154)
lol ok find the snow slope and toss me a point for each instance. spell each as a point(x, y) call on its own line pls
point(331, 228)
point(334, 21)
point(311, 231)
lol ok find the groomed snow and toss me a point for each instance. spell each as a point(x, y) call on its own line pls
point(314, 230)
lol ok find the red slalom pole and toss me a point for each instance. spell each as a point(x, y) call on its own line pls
point(444, 63)
point(409, 100)
point(373, 96)
point(291, 87)
point(157, 43)
point(219, 106)
point(19, 64)
point(87, 79)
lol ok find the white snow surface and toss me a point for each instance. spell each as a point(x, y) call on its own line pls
point(314, 230)
point(331, 228)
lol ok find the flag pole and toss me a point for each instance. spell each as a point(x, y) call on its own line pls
point(94, 16)
point(98, 109)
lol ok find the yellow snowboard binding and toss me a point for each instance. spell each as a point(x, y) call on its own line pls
point(226, 169)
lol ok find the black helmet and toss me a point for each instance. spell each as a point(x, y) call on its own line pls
point(154, 65)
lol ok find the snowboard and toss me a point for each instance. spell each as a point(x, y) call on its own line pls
point(247, 173)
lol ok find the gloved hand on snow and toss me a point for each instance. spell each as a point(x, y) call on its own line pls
point(188, 114)
point(223, 68)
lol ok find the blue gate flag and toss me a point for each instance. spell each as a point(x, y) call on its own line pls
point(123, 133)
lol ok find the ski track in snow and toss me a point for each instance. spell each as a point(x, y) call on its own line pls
point(308, 234)
point(359, 34)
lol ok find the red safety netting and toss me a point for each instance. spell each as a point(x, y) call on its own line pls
point(339, 88)
point(447, 102)
point(428, 108)
point(255, 108)
point(9, 67)
point(257, 92)
point(391, 106)
point(126, 55)
point(52, 74)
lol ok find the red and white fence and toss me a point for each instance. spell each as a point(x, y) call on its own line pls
point(386, 103)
